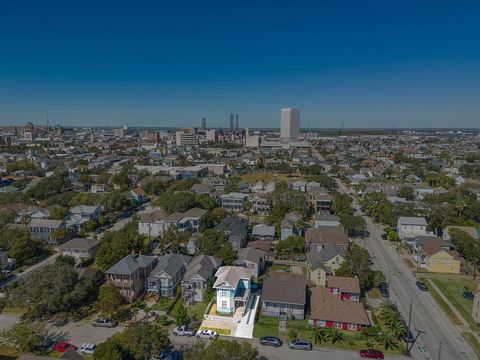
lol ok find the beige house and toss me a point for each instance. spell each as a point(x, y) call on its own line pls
point(80, 248)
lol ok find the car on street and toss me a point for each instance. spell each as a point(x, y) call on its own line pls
point(104, 323)
point(206, 334)
point(63, 346)
point(409, 337)
point(184, 330)
point(271, 341)
point(299, 344)
point(421, 285)
point(371, 354)
point(87, 349)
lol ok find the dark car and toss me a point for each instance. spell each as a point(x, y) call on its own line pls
point(421, 285)
point(271, 341)
point(371, 354)
point(409, 337)
point(299, 344)
point(383, 287)
point(468, 295)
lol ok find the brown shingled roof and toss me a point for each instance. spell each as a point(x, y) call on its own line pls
point(345, 284)
point(328, 307)
point(284, 290)
point(327, 235)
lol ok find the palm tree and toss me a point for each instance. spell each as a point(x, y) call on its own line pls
point(334, 335)
point(387, 338)
point(318, 335)
point(398, 329)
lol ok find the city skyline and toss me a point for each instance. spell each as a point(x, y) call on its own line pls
point(364, 65)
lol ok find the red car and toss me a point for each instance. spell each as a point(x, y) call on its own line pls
point(371, 354)
point(63, 346)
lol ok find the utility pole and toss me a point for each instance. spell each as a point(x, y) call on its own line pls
point(439, 351)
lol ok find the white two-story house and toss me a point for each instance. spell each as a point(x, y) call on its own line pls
point(408, 228)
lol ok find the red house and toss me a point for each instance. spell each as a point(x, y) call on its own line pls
point(328, 310)
point(347, 288)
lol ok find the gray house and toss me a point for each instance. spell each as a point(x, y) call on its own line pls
point(130, 274)
point(284, 295)
point(263, 232)
point(199, 270)
point(236, 230)
point(168, 273)
point(253, 259)
point(288, 227)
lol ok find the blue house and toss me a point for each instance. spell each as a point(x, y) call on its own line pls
point(232, 288)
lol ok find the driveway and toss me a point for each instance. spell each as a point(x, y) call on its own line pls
point(82, 331)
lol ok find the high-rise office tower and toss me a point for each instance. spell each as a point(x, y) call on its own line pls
point(290, 123)
point(231, 122)
point(204, 123)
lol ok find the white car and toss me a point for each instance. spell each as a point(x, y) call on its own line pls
point(206, 334)
point(87, 349)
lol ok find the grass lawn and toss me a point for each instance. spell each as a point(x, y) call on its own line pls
point(452, 289)
point(7, 353)
point(197, 310)
point(265, 326)
point(374, 294)
point(163, 304)
point(443, 305)
point(218, 331)
point(301, 327)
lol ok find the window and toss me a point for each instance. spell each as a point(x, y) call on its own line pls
point(322, 323)
point(448, 262)
point(352, 327)
point(337, 324)
point(224, 304)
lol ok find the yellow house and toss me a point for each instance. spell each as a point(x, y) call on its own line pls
point(320, 265)
point(434, 258)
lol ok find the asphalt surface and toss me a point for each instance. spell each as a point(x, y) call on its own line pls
point(440, 339)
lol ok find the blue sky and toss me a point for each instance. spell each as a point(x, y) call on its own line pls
point(158, 63)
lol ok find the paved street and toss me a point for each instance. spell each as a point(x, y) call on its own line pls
point(441, 339)
point(284, 353)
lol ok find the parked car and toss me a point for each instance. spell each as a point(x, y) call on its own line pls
point(421, 285)
point(383, 287)
point(184, 331)
point(299, 344)
point(371, 354)
point(206, 334)
point(63, 346)
point(271, 341)
point(469, 295)
point(104, 323)
point(87, 348)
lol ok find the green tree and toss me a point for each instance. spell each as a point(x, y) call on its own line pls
point(58, 213)
point(406, 192)
point(177, 202)
point(220, 349)
point(180, 313)
point(52, 289)
point(111, 349)
point(19, 244)
point(387, 338)
point(26, 336)
point(205, 201)
point(144, 340)
point(358, 263)
point(110, 300)
point(59, 235)
point(334, 335)
point(292, 334)
point(319, 334)
point(293, 244)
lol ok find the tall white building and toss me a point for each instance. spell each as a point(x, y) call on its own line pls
point(290, 123)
